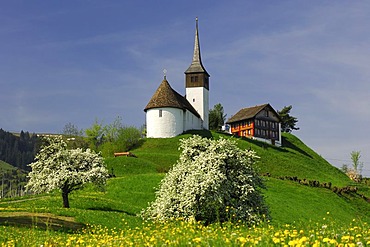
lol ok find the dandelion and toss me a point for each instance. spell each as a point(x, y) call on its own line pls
point(242, 240)
point(316, 244)
point(276, 240)
point(197, 240)
point(303, 240)
point(326, 240)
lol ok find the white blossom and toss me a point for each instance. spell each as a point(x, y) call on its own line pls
point(213, 180)
point(57, 167)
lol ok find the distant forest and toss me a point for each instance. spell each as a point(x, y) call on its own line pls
point(18, 151)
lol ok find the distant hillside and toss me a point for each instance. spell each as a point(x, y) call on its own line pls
point(12, 181)
point(18, 150)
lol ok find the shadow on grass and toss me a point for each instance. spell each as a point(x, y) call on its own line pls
point(41, 221)
point(288, 144)
point(258, 143)
point(108, 209)
point(261, 144)
point(285, 144)
point(202, 133)
point(137, 145)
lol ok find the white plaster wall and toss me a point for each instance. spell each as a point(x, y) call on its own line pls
point(280, 143)
point(277, 143)
point(199, 98)
point(192, 122)
point(169, 125)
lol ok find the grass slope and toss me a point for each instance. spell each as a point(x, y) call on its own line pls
point(5, 166)
point(136, 178)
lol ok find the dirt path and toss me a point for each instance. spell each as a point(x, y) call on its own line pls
point(40, 220)
point(23, 200)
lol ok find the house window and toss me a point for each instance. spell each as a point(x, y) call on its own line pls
point(266, 113)
point(194, 79)
point(194, 100)
point(249, 132)
point(160, 113)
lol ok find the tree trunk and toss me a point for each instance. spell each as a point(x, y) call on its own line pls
point(65, 198)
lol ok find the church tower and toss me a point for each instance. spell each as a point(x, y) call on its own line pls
point(197, 83)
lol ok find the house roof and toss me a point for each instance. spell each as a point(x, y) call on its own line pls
point(196, 65)
point(249, 112)
point(165, 96)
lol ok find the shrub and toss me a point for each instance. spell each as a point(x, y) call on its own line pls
point(128, 138)
point(108, 149)
point(354, 175)
point(212, 181)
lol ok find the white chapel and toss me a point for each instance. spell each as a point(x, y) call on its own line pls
point(169, 114)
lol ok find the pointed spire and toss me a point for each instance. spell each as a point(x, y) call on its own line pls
point(196, 64)
point(164, 73)
point(196, 55)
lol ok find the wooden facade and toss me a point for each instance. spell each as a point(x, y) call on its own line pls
point(258, 122)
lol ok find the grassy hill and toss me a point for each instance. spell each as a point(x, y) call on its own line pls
point(288, 172)
point(288, 199)
point(5, 166)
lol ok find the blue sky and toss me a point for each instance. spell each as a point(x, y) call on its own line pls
point(77, 61)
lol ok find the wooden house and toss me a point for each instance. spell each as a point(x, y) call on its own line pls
point(258, 122)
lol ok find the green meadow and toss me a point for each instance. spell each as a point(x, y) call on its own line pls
point(310, 202)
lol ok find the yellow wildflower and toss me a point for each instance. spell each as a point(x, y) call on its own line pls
point(197, 240)
point(303, 240)
point(276, 240)
point(242, 240)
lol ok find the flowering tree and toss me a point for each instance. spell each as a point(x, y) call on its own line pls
point(57, 167)
point(354, 173)
point(212, 181)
